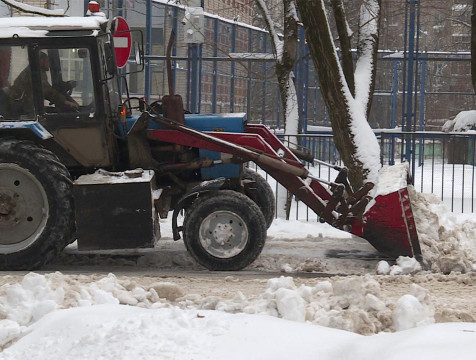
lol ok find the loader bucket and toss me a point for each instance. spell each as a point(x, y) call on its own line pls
point(389, 226)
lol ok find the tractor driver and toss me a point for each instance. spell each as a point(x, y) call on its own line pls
point(21, 97)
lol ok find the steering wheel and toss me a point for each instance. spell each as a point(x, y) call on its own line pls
point(71, 84)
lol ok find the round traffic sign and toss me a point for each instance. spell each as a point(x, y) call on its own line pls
point(122, 41)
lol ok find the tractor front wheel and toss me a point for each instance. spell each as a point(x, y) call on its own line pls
point(36, 205)
point(225, 231)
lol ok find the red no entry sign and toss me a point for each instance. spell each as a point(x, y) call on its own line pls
point(122, 42)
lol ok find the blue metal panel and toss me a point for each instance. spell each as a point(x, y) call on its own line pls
point(217, 122)
point(233, 122)
point(34, 126)
point(229, 171)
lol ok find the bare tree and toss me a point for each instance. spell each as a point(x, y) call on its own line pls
point(284, 50)
point(347, 88)
point(34, 10)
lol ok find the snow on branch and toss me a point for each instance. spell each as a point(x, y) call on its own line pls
point(368, 37)
point(30, 9)
point(275, 40)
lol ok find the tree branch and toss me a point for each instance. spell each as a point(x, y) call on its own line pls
point(29, 9)
point(345, 45)
point(276, 43)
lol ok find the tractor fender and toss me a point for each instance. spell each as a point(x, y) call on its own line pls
point(33, 126)
point(190, 197)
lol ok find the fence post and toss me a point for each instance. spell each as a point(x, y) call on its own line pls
point(232, 84)
point(215, 66)
point(410, 90)
point(148, 46)
point(250, 64)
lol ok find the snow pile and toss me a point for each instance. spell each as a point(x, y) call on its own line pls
point(120, 332)
point(405, 265)
point(391, 178)
point(464, 121)
point(413, 310)
point(447, 245)
point(354, 304)
point(23, 304)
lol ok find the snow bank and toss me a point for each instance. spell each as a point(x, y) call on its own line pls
point(447, 245)
point(119, 332)
point(354, 304)
point(464, 121)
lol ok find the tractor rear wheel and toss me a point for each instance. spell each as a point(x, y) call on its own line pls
point(225, 231)
point(261, 193)
point(36, 205)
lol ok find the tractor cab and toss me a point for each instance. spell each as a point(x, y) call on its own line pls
point(61, 76)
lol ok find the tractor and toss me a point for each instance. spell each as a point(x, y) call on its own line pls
point(80, 162)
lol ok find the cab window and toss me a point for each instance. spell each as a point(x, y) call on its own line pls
point(66, 80)
point(16, 94)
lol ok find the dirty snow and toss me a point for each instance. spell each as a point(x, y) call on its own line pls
point(447, 244)
point(80, 316)
point(107, 177)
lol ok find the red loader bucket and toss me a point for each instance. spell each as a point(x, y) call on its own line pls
point(389, 226)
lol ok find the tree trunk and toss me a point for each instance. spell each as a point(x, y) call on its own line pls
point(285, 52)
point(321, 47)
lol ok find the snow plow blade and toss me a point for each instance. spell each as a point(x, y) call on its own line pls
point(389, 226)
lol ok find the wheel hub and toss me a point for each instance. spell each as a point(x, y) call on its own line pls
point(23, 208)
point(223, 234)
point(6, 205)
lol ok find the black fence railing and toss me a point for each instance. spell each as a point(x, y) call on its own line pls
point(440, 163)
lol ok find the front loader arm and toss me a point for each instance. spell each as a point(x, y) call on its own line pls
point(262, 147)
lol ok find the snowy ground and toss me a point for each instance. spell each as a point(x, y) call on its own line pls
point(159, 304)
point(163, 306)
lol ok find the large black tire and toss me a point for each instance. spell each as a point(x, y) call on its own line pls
point(36, 205)
point(261, 193)
point(224, 232)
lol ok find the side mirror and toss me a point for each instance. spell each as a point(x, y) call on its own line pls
point(137, 53)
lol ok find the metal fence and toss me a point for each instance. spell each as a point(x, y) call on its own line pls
point(441, 163)
point(212, 78)
point(416, 89)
